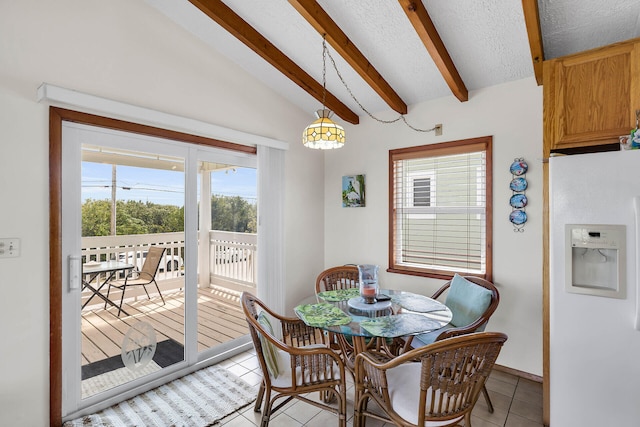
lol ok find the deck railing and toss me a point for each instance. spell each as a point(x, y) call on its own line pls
point(233, 260)
point(232, 256)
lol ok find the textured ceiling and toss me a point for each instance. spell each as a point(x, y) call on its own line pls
point(570, 26)
point(486, 39)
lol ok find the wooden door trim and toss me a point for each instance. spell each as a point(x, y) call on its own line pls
point(56, 117)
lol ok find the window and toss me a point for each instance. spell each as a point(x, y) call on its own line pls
point(420, 187)
point(440, 209)
point(421, 192)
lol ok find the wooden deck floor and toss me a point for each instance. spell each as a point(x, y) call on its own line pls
point(220, 319)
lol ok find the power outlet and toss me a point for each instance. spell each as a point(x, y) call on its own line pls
point(9, 247)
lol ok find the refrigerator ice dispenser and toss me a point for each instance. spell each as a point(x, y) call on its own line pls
point(595, 259)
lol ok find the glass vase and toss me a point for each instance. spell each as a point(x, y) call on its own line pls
point(368, 282)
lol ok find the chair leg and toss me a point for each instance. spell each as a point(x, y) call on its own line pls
point(342, 397)
point(327, 397)
point(146, 292)
point(359, 407)
point(266, 411)
point(121, 300)
point(159, 293)
point(487, 398)
point(108, 290)
point(258, 404)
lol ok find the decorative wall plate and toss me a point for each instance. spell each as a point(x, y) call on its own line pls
point(518, 217)
point(518, 200)
point(519, 167)
point(518, 184)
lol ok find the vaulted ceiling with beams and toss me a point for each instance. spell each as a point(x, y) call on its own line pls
point(395, 53)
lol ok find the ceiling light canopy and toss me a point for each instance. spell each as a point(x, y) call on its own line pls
point(323, 134)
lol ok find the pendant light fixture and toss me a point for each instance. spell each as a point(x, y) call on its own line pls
point(323, 133)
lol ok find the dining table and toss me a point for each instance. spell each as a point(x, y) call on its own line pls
point(358, 325)
point(96, 274)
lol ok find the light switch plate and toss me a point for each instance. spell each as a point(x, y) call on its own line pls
point(9, 247)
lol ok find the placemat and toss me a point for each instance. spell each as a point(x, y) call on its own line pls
point(417, 303)
point(399, 325)
point(321, 315)
point(339, 294)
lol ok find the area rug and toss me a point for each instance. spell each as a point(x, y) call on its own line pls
point(199, 399)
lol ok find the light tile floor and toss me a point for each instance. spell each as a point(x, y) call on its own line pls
point(517, 402)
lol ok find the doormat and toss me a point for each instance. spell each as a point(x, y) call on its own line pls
point(199, 399)
point(167, 353)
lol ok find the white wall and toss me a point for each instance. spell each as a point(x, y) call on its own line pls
point(127, 51)
point(512, 114)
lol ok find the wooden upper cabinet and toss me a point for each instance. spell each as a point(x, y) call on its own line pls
point(591, 98)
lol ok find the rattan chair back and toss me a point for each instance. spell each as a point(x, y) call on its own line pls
point(341, 277)
point(451, 373)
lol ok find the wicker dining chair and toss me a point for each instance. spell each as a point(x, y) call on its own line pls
point(331, 279)
point(472, 307)
point(435, 385)
point(340, 277)
point(292, 366)
point(472, 301)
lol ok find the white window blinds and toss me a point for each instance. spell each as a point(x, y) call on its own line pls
point(440, 211)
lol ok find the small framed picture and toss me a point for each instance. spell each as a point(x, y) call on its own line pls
point(353, 194)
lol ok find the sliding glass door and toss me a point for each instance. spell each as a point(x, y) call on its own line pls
point(159, 237)
point(228, 243)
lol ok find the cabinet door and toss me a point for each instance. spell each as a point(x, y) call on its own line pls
point(591, 98)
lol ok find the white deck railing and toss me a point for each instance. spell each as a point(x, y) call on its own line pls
point(232, 256)
point(233, 260)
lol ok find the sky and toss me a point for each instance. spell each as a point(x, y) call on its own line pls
point(160, 186)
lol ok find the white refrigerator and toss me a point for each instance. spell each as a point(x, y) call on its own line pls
point(594, 319)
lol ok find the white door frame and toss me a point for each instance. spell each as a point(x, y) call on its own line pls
point(73, 136)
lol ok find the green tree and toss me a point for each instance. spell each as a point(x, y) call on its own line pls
point(233, 214)
point(132, 217)
point(96, 218)
point(137, 217)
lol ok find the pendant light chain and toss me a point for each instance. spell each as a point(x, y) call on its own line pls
point(325, 53)
point(324, 71)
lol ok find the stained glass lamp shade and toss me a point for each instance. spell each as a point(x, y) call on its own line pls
point(323, 134)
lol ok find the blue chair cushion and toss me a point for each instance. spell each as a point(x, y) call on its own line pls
point(428, 338)
point(467, 301)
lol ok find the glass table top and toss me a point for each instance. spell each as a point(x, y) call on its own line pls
point(344, 312)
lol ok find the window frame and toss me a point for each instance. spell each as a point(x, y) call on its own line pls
point(436, 150)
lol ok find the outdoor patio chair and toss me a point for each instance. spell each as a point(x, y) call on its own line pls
point(434, 385)
point(472, 301)
point(144, 277)
point(294, 365)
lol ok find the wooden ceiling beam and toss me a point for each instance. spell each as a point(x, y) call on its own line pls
point(427, 32)
point(322, 22)
point(239, 28)
point(532, 22)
